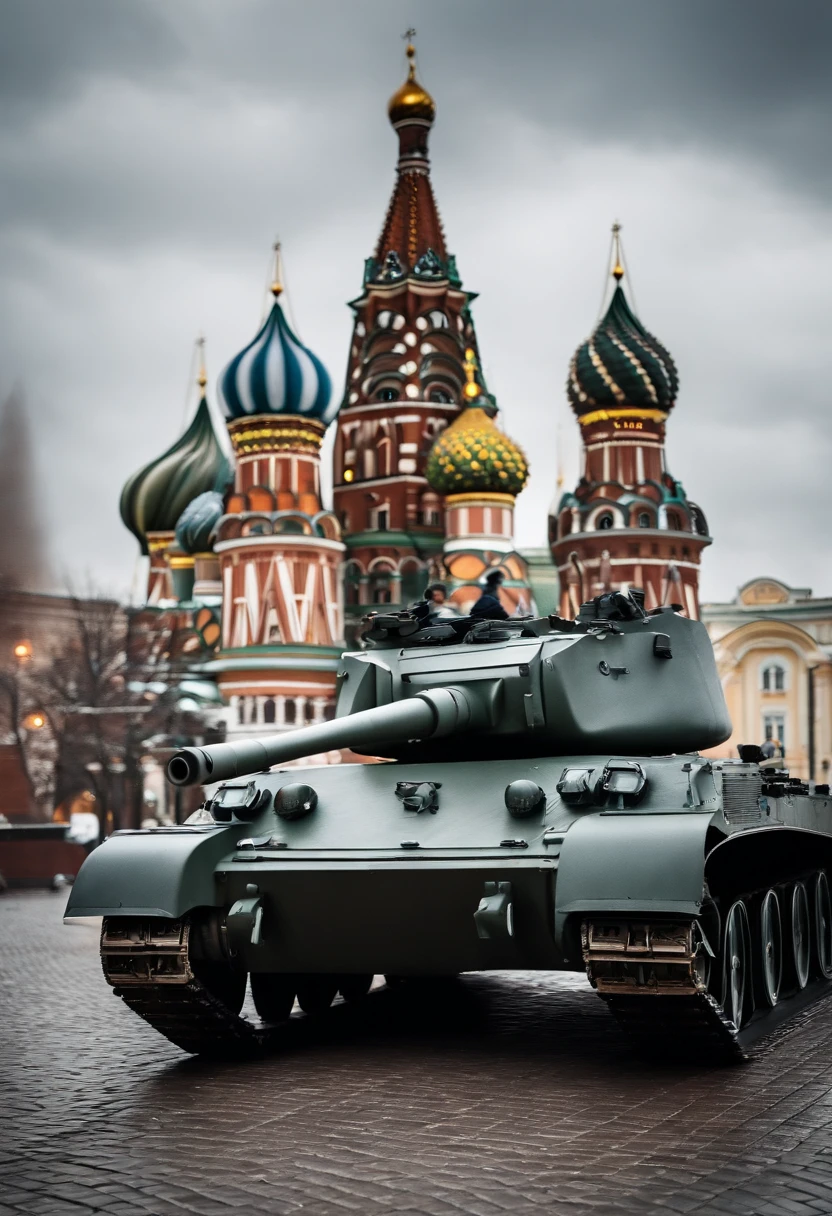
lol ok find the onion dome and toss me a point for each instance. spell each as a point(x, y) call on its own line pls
point(195, 526)
point(621, 366)
point(411, 100)
point(276, 373)
point(154, 498)
point(473, 453)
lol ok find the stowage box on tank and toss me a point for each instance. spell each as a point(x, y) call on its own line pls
point(543, 804)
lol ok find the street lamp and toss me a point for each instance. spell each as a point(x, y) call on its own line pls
point(35, 720)
point(22, 651)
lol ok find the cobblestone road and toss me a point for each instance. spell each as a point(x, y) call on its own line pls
point(502, 1095)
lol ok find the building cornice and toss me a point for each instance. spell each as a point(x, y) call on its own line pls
point(280, 540)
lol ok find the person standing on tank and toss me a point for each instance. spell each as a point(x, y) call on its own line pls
point(488, 606)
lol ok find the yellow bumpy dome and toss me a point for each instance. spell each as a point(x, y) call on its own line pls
point(474, 454)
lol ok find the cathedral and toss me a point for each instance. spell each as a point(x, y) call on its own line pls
point(266, 584)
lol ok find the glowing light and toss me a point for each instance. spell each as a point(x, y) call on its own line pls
point(23, 650)
point(34, 721)
point(348, 474)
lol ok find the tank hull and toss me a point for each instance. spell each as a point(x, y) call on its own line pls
point(637, 896)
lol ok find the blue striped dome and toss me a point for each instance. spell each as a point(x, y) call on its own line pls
point(277, 374)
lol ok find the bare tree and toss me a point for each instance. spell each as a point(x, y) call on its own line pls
point(83, 714)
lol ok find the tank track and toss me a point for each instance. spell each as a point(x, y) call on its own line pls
point(148, 964)
point(655, 980)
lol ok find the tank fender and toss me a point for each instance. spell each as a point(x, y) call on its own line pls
point(762, 857)
point(163, 873)
point(637, 863)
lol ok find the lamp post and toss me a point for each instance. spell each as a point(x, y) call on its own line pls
point(810, 689)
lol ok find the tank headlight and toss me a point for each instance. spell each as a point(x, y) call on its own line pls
point(624, 781)
point(242, 802)
point(577, 786)
point(294, 801)
point(524, 798)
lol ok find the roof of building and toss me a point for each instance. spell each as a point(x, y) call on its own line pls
point(769, 598)
point(276, 374)
point(621, 365)
point(154, 498)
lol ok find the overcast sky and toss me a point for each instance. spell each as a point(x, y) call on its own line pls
point(150, 152)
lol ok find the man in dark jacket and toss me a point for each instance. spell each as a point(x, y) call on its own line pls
point(488, 606)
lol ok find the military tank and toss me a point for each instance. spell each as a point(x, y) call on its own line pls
point(543, 804)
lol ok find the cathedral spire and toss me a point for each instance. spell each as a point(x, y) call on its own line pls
point(413, 365)
point(411, 240)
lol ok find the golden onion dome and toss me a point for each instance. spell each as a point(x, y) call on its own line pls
point(411, 100)
point(474, 454)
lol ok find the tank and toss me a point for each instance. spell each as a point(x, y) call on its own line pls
point(542, 802)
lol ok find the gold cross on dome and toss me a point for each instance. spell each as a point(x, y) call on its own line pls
point(202, 377)
point(618, 269)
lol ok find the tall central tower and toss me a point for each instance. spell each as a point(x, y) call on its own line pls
point(405, 379)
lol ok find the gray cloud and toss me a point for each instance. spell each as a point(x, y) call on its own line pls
point(151, 150)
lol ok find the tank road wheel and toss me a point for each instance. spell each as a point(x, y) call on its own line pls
point(736, 997)
point(823, 925)
point(224, 982)
point(316, 992)
point(354, 987)
point(273, 995)
point(771, 948)
point(800, 934)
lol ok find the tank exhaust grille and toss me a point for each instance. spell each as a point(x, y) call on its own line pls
point(741, 796)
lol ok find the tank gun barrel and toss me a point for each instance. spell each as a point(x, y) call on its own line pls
point(430, 714)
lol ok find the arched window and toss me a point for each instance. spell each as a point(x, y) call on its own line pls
point(438, 319)
point(440, 396)
point(381, 585)
point(290, 711)
point(673, 521)
point(774, 678)
point(644, 520)
point(605, 521)
point(387, 394)
point(269, 710)
point(310, 709)
point(241, 711)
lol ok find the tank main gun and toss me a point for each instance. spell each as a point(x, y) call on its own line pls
point(617, 679)
point(428, 715)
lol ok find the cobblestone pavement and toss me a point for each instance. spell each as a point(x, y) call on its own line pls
point(495, 1094)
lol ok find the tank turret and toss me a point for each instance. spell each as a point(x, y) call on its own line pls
point(617, 678)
